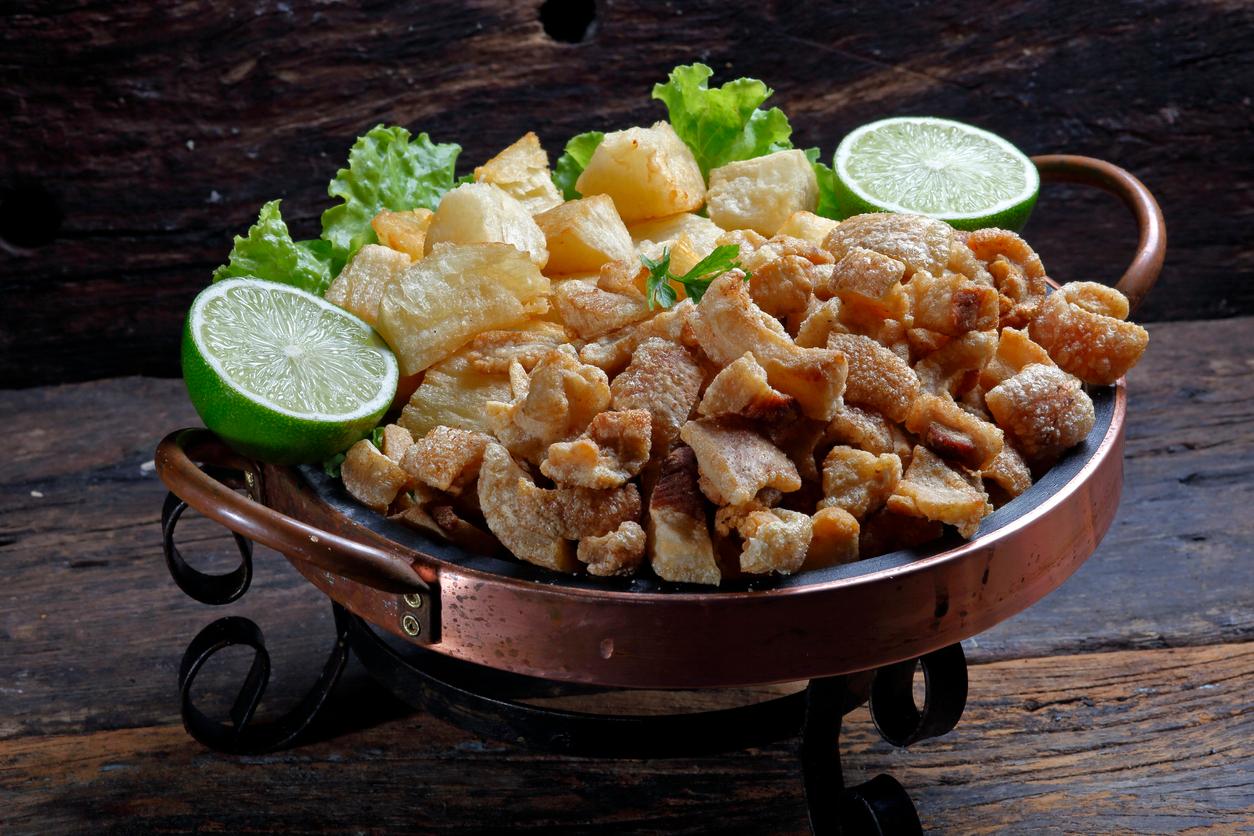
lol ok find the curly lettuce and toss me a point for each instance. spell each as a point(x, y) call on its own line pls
point(827, 186)
point(268, 252)
point(387, 169)
point(723, 124)
point(573, 161)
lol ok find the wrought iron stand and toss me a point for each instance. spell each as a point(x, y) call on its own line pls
point(488, 703)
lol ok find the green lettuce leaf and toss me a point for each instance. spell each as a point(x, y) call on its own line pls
point(573, 161)
point(268, 252)
point(724, 124)
point(386, 170)
point(827, 186)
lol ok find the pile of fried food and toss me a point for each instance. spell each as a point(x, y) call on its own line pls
point(849, 389)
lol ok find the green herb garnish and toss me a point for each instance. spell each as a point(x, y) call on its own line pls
point(658, 289)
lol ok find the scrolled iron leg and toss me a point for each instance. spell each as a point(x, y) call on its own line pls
point(243, 736)
point(878, 806)
point(205, 588)
point(898, 719)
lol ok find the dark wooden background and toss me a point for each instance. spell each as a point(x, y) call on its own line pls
point(139, 137)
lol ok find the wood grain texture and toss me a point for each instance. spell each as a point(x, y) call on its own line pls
point(1148, 735)
point(156, 132)
point(1135, 741)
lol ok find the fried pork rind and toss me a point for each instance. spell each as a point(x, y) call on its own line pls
point(775, 540)
point(729, 323)
point(1043, 410)
point(522, 171)
point(442, 302)
point(612, 352)
point(962, 260)
point(822, 319)
point(951, 304)
point(618, 553)
point(807, 226)
point(799, 439)
point(372, 478)
point(917, 242)
point(877, 377)
point(742, 389)
point(952, 433)
point(648, 172)
point(869, 280)
point(1009, 472)
point(735, 462)
point(447, 458)
point(955, 367)
point(679, 544)
point(1017, 273)
point(591, 312)
point(426, 511)
point(833, 539)
point(664, 380)
point(933, 490)
point(396, 442)
point(405, 232)
point(857, 481)
point(453, 392)
point(359, 286)
point(782, 287)
point(554, 403)
point(1015, 351)
point(756, 252)
point(510, 503)
point(1082, 329)
point(886, 531)
point(864, 429)
point(582, 235)
point(762, 193)
point(537, 524)
point(614, 448)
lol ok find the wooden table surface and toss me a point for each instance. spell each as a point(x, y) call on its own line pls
point(1123, 701)
point(139, 137)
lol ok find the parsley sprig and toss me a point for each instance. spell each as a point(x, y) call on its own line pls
point(658, 289)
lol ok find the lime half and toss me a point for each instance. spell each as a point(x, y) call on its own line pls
point(937, 167)
point(282, 375)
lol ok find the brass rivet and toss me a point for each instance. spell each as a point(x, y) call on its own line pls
point(414, 600)
point(410, 625)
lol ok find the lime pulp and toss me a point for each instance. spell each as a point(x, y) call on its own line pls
point(944, 169)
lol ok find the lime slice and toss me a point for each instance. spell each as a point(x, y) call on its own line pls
point(282, 375)
point(937, 167)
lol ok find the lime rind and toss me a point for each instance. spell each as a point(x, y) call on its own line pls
point(256, 423)
point(256, 350)
point(948, 170)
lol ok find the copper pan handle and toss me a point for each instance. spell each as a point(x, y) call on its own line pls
point(176, 459)
point(1152, 246)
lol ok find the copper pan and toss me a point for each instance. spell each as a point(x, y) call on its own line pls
point(646, 634)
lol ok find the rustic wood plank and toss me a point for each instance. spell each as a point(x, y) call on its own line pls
point(83, 560)
point(1141, 741)
point(198, 113)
